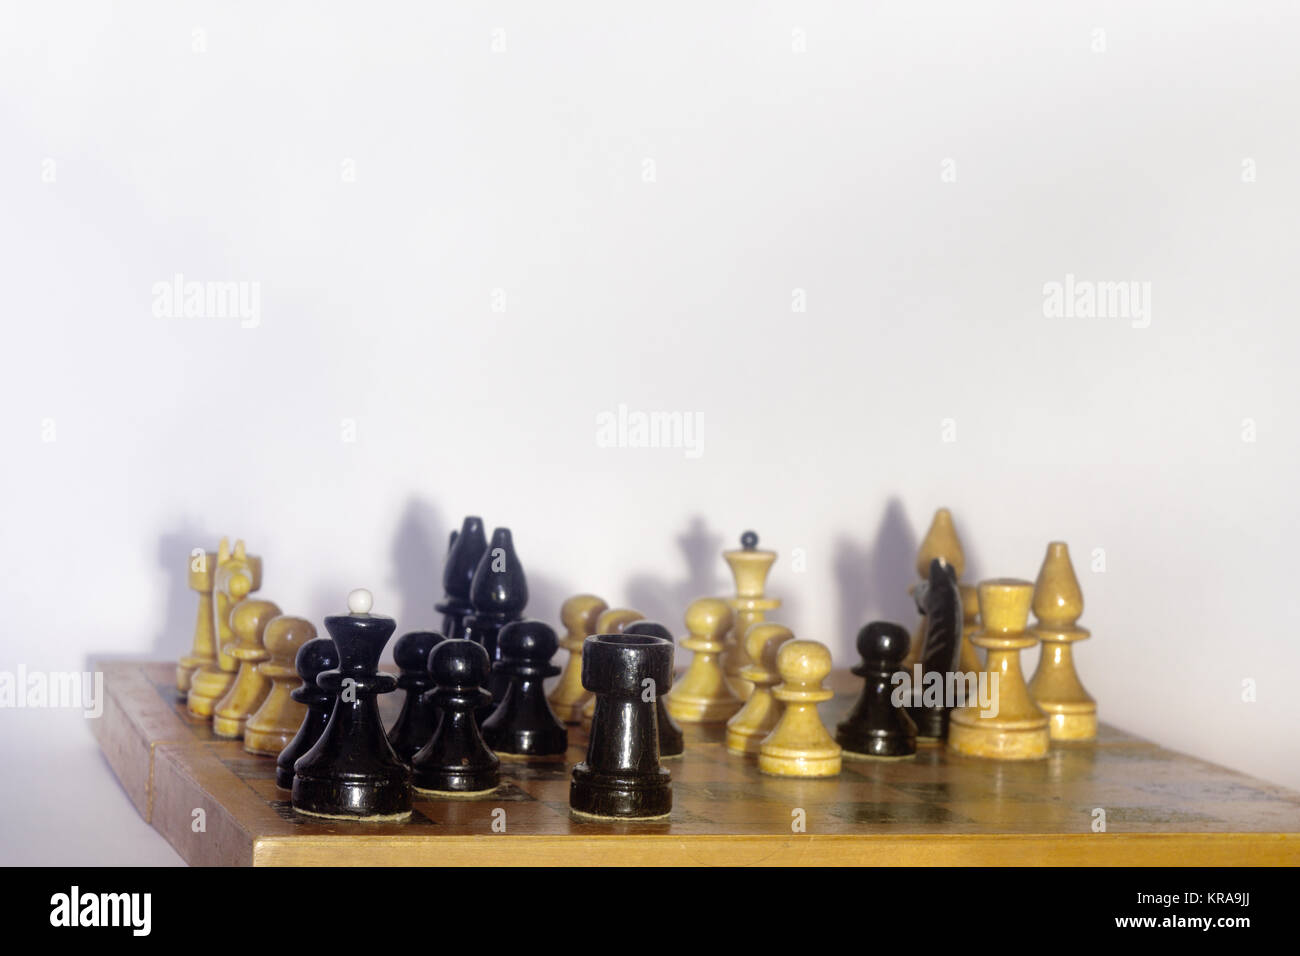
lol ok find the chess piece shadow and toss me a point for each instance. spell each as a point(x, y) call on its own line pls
point(418, 552)
point(891, 570)
point(852, 572)
point(174, 550)
point(873, 582)
point(661, 601)
point(545, 595)
point(545, 598)
point(176, 636)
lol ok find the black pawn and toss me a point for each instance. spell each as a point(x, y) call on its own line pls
point(463, 554)
point(456, 759)
point(414, 725)
point(499, 595)
point(314, 658)
point(523, 723)
point(672, 743)
point(875, 727)
point(352, 771)
point(939, 599)
point(621, 776)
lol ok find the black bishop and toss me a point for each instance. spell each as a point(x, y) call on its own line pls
point(463, 554)
point(499, 594)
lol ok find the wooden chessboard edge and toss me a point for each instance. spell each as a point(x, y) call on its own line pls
point(137, 733)
point(123, 733)
point(225, 839)
point(121, 749)
point(613, 849)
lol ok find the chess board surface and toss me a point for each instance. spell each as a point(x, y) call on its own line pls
point(1160, 807)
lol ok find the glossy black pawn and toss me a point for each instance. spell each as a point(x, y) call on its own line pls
point(939, 599)
point(414, 725)
point(463, 554)
point(474, 632)
point(523, 724)
point(875, 727)
point(352, 771)
point(313, 659)
point(457, 759)
point(499, 594)
point(621, 776)
point(672, 742)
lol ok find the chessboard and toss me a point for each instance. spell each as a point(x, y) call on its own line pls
point(218, 805)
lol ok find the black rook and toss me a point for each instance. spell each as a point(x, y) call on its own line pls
point(621, 776)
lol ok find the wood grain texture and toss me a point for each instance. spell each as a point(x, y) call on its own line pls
point(1162, 808)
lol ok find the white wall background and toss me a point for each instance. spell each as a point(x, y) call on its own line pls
point(523, 171)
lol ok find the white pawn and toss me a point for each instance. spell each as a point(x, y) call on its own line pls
point(799, 745)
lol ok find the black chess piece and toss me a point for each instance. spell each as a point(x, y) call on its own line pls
point(351, 772)
point(463, 554)
point(672, 743)
point(313, 659)
point(414, 725)
point(875, 727)
point(523, 724)
point(456, 759)
point(499, 594)
point(939, 599)
point(621, 776)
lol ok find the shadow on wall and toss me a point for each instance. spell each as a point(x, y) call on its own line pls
point(873, 581)
point(176, 635)
point(418, 554)
point(174, 548)
point(666, 602)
